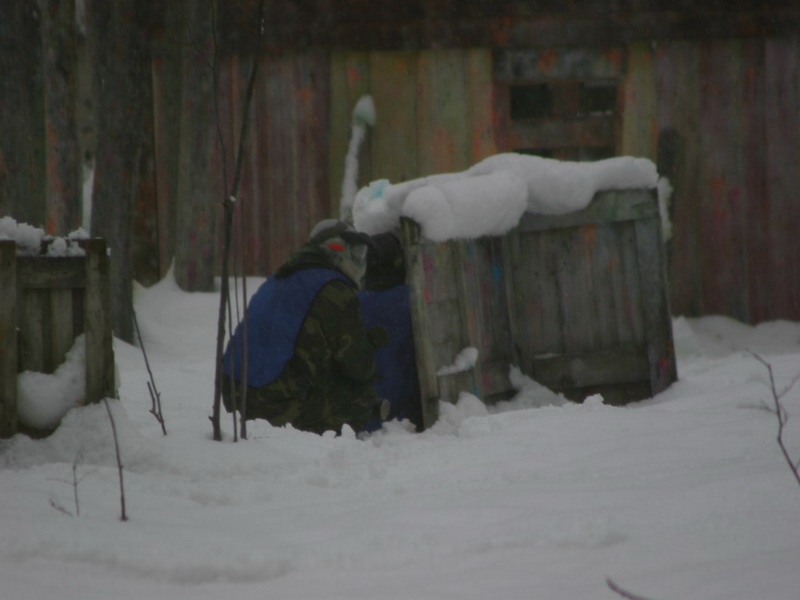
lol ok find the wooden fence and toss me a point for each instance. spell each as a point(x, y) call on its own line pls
point(579, 302)
point(45, 303)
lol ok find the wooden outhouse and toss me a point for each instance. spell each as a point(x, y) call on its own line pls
point(579, 302)
point(45, 303)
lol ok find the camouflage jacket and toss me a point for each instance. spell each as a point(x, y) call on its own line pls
point(328, 380)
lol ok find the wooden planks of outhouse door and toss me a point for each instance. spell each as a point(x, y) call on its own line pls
point(577, 301)
point(589, 307)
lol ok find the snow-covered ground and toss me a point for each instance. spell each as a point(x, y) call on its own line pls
point(685, 496)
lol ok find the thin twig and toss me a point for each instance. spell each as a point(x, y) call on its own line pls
point(123, 514)
point(780, 413)
point(155, 396)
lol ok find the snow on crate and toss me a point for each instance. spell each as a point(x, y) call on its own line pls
point(33, 241)
point(490, 197)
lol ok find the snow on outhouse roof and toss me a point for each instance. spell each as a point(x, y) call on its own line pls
point(490, 197)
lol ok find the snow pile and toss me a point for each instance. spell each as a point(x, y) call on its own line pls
point(43, 399)
point(463, 361)
point(33, 241)
point(490, 197)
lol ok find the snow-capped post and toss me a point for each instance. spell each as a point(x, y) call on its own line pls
point(228, 204)
point(363, 117)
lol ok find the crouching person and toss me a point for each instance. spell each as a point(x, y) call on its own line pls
point(310, 361)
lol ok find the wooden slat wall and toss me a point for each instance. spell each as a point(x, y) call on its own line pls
point(45, 303)
point(727, 113)
point(579, 302)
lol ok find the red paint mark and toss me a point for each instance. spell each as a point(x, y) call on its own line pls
point(353, 75)
point(547, 60)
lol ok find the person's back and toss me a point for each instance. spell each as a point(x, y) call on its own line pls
point(310, 359)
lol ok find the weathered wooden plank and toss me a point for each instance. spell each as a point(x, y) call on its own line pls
point(62, 335)
point(421, 323)
point(479, 84)
point(312, 92)
point(568, 63)
point(568, 371)
point(723, 264)
point(350, 79)
point(32, 329)
point(8, 338)
point(442, 112)
point(278, 131)
point(681, 155)
point(393, 78)
point(97, 323)
point(655, 305)
point(782, 157)
point(639, 125)
point(45, 272)
point(605, 207)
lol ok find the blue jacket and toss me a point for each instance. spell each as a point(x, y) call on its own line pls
point(395, 363)
point(275, 315)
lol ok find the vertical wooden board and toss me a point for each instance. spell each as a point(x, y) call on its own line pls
point(574, 277)
point(722, 227)
point(312, 92)
point(97, 321)
point(479, 94)
point(468, 276)
point(393, 77)
point(8, 338)
point(421, 323)
point(442, 112)
point(603, 242)
point(543, 312)
point(279, 188)
point(31, 315)
point(639, 129)
point(62, 334)
point(630, 319)
point(60, 92)
point(782, 122)
point(494, 318)
point(755, 202)
point(680, 159)
point(655, 306)
point(348, 82)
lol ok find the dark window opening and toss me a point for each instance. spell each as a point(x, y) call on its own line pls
point(531, 101)
point(598, 98)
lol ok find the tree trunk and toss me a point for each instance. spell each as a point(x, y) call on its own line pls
point(22, 143)
point(199, 186)
point(122, 88)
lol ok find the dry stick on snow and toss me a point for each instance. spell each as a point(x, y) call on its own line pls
point(74, 483)
point(780, 413)
point(123, 515)
point(624, 593)
point(155, 395)
point(228, 204)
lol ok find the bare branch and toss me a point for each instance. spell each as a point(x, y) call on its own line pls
point(155, 396)
point(781, 415)
point(123, 514)
point(625, 594)
point(60, 508)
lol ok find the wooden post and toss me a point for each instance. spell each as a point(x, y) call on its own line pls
point(8, 338)
point(97, 323)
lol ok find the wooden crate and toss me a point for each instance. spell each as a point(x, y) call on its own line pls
point(578, 301)
point(45, 303)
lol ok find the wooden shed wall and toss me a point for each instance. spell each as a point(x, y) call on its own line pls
point(719, 119)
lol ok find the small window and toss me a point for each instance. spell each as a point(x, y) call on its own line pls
point(531, 101)
point(598, 98)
